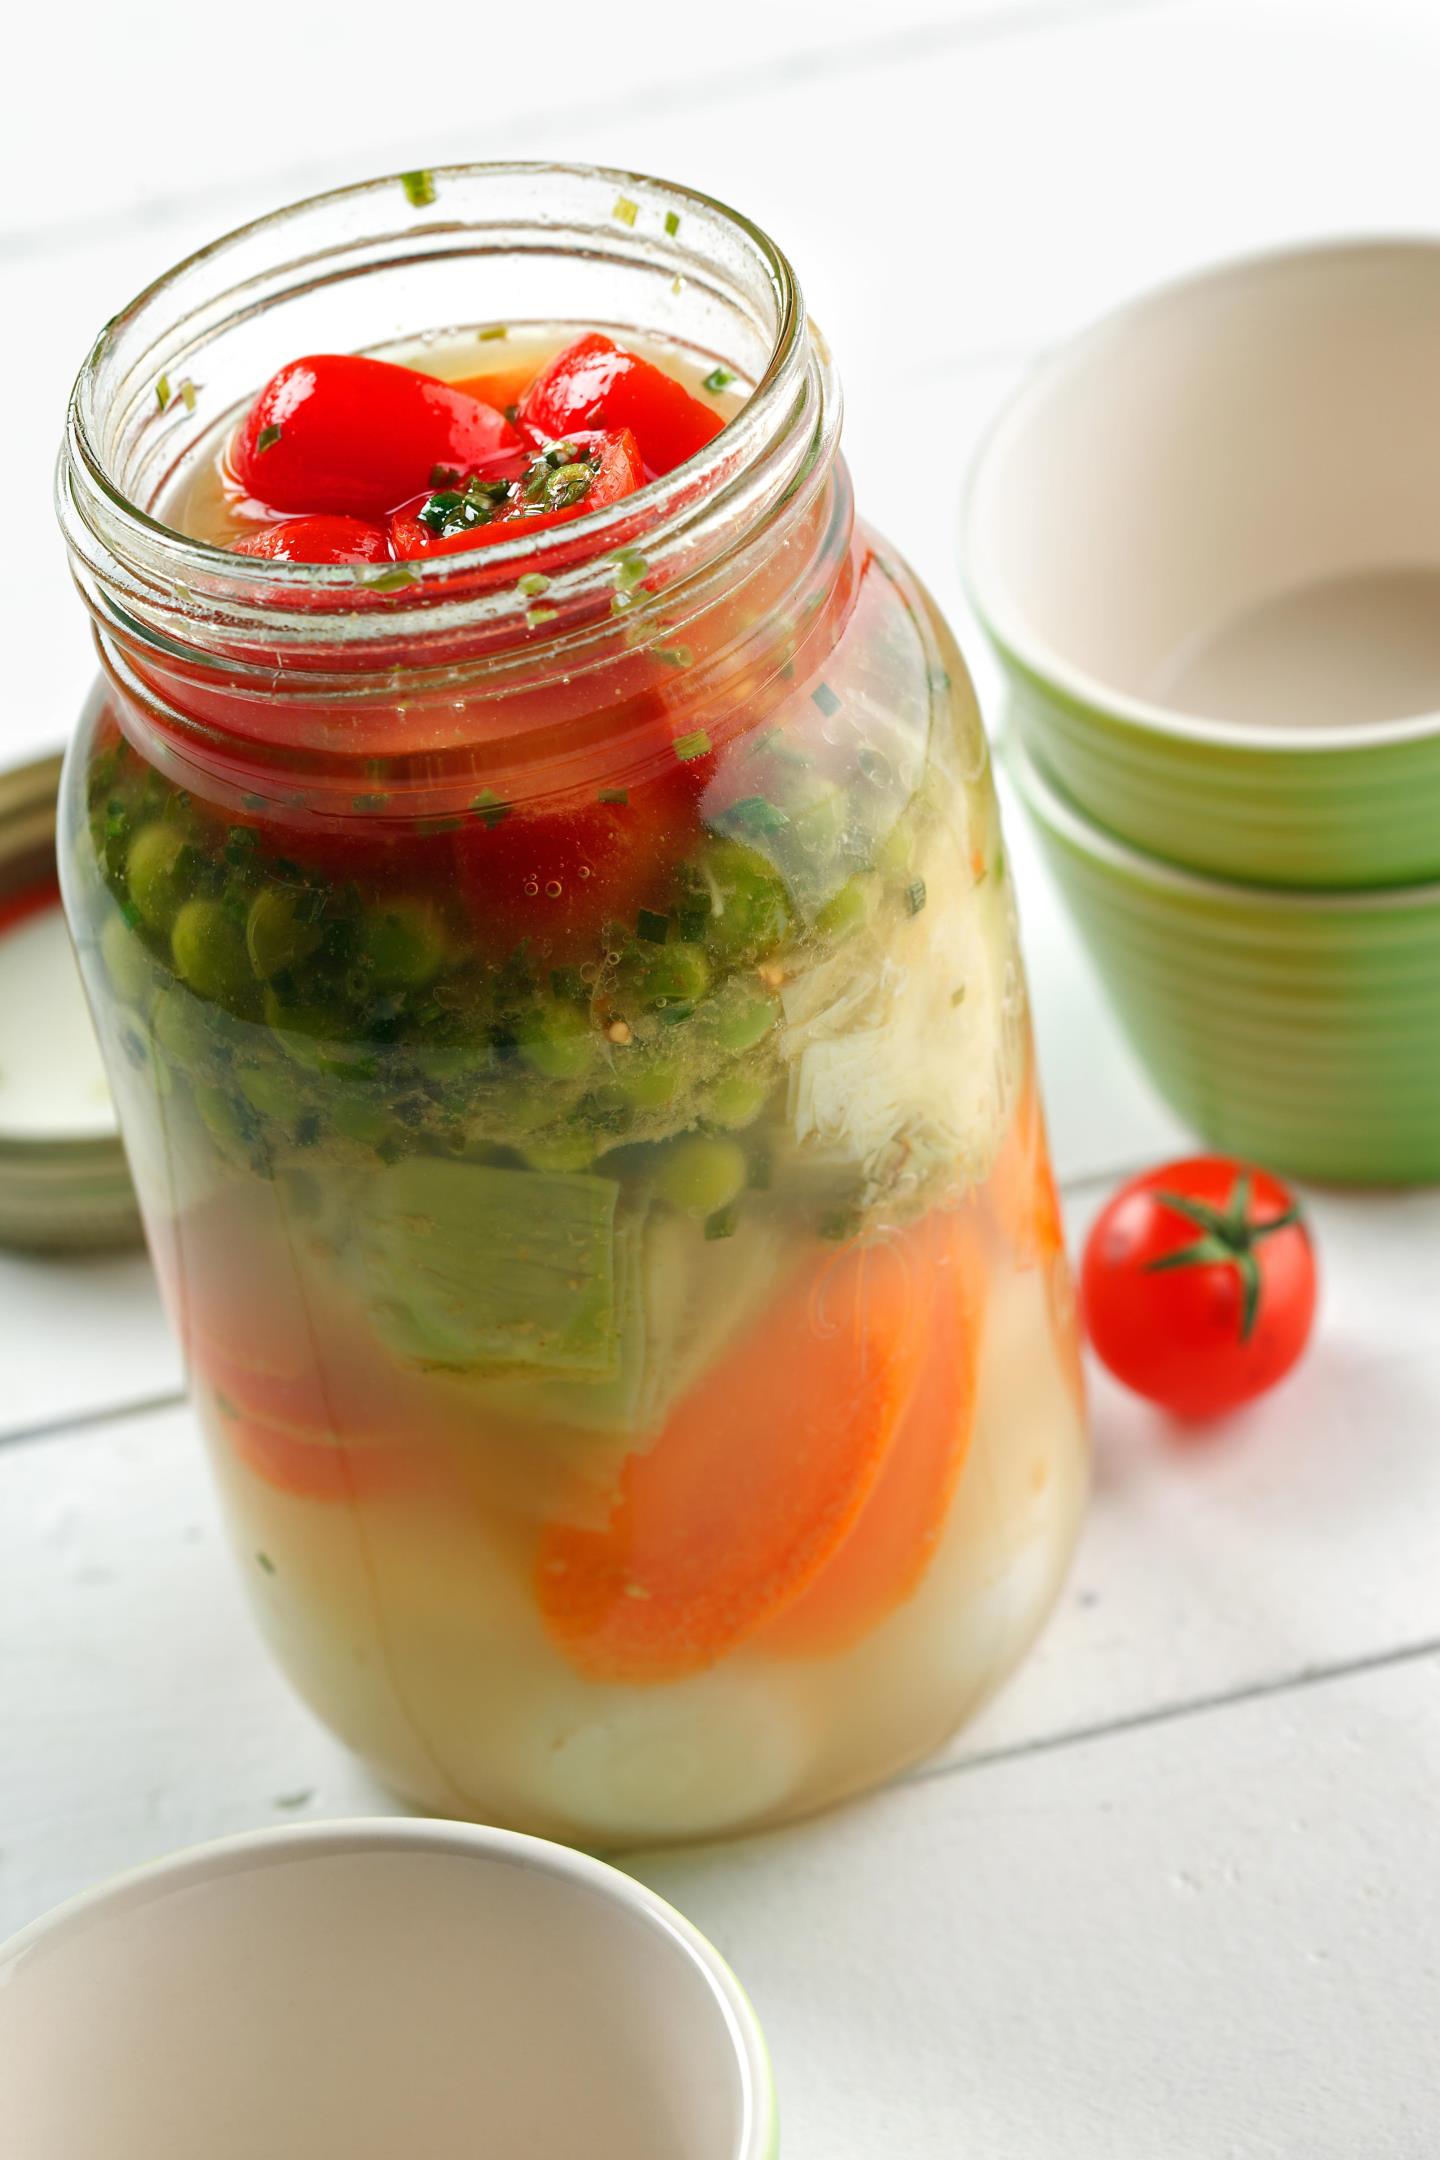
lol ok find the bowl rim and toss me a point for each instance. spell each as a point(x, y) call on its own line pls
point(758, 2138)
point(1032, 655)
point(1055, 811)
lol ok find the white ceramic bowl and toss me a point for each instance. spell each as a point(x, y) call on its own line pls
point(376, 1991)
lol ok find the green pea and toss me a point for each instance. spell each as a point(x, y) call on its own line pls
point(749, 907)
point(126, 961)
point(745, 1022)
point(737, 1100)
point(564, 1148)
point(276, 937)
point(849, 909)
point(677, 975)
point(152, 872)
point(208, 948)
point(220, 1113)
point(402, 942)
point(270, 1092)
point(700, 1175)
point(556, 1040)
point(652, 1085)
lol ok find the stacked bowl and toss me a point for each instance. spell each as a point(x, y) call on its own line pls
point(1205, 541)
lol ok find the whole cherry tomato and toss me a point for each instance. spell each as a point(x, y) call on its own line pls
point(343, 433)
point(1198, 1284)
point(318, 540)
point(595, 384)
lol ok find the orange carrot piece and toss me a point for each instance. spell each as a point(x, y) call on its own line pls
point(754, 1483)
point(1022, 1186)
point(886, 1555)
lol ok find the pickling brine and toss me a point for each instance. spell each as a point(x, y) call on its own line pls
point(535, 865)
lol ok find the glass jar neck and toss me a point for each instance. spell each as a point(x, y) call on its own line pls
point(452, 658)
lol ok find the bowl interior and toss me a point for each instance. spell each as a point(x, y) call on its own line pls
point(1224, 501)
point(309, 2001)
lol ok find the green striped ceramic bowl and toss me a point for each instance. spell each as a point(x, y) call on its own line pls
point(1301, 1030)
point(1205, 540)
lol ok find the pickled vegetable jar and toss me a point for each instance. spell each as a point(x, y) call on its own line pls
point(534, 863)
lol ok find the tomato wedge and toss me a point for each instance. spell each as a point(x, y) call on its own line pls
point(318, 540)
point(755, 1483)
point(508, 497)
point(340, 433)
point(595, 383)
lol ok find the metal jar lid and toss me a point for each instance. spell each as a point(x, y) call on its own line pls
point(58, 1192)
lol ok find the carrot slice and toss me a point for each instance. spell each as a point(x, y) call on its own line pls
point(754, 1483)
point(886, 1555)
point(1022, 1185)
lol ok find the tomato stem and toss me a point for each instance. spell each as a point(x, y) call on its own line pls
point(1229, 1240)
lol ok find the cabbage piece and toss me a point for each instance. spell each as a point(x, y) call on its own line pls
point(473, 1268)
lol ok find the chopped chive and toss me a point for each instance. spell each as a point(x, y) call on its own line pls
point(722, 1224)
point(263, 1559)
point(494, 330)
point(536, 616)
point(719, 378)
point(487, 805)
point(654, 928)
point(621, 601)
point(267, 438)
point(512, 413)
point(673, 1015)
point(162, 392)
point(692, 746)
point(443, 476)
point(533, 584)
point(672, 223)
point(676, 656)
point(677, 284)
point(823, 696)
point(187, 394)
point(625, 210)
point(419, 188)
point(630, 567)
point(394, 579)
point(915, 895)
point(565, 982)
point(291, 1800)
point(957, 997)
point(252, 802)
point(369, 802)
point(757, 814)
point(619, 795)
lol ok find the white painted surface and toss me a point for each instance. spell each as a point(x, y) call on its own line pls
point(52, 1083)
point(1172, 1893)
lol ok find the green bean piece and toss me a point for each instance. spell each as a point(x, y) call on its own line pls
point(746, 1022)
point(152, 873)
point(276, 936)
point(207, 945)
point(700, 1175)
point(652, 1085)
point(676, 975)
point(737, 1100)
point(556, 1040)
point(402, 942)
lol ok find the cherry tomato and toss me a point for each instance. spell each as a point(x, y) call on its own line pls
point(1198, 1284)
point(594, 383)
point(342, 433)
point(318, 540)
point(482, 514)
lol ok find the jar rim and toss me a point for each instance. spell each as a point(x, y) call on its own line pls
point(157, 580)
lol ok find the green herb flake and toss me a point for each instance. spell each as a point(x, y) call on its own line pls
point(162, 392)
point(677, 285)
point(915, 895)
point(653, 927)
point(187, 394)
point(689, 747)
point(675, 1015)
point(419, 188)
point(618, 795)
point(757, 814)
point(444, 476)
point(566, 982)
point(267, 438)
point(488, 806)
point(823, 696)
point(718, 379)
point(537, 617)
point(533, 584)
point(679, 656)
point(957, 997)
point(625, 211)
point(722, 1224)
point(292, 1800)
point(252, 802)
point(369, 802)
point(395, 579)
point(263, 1560)
point(494, 330)
point(672, 223)
point(630, 567)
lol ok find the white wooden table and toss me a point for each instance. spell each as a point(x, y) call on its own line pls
point(1174, 1894)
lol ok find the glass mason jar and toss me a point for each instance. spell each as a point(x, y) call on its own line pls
point(572, 1049)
